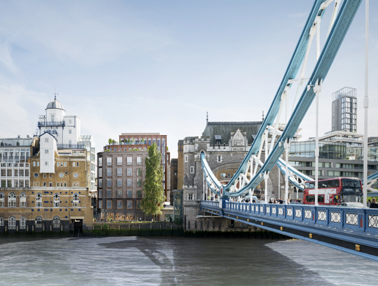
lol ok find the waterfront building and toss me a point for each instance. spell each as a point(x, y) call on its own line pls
point(225, 145)
point(57, 198)
point(121, 172)
point(14, 161)
point(344, 110)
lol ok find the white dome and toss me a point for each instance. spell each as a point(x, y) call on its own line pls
point(55, 105)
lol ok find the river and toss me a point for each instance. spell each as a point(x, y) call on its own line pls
point(178, 261)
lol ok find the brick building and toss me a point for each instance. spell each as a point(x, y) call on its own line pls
point(58, 197)
point(121, 172)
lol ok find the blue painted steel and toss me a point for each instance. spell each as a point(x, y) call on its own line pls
point(290, 74)
point(332, 45)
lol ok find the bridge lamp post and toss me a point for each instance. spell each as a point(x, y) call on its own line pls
point(366, 101)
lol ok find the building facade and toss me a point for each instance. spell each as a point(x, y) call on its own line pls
point(57, 198)
point(225, 145)
point(344, 110)
point(121, 172)
point(47, 182)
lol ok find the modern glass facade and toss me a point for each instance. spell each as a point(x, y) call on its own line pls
point(327, 150)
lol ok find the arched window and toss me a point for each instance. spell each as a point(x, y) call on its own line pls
point(12, 222)
point(56, 200)
point(23, 200)
point(38, 222)
point(1, 221)
point(2, 200)
point(23, 223)
point(38, 200)
point(56, 222)
point(12, 199)
point(75, 200)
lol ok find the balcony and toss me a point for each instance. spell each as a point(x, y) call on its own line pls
point(70, 146)
point(51, 123)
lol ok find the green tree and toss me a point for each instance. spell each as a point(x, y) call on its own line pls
point(153, 200)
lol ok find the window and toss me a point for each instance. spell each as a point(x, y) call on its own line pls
point(38, 200)
point(46, 163)
point(139, 160)
point(56, 222)
point(99, 161)
point(100, 183)
point(56, 200)
point(109, 161)
point(100, 204)
point(139, 182)
point(139, 172)
point(119, 205)
point(75, 201)
point(129, 193)
point(129, 171)
point(34, 164)
point(109, 193)
point(1, 200)
point(138, 203)
point(1, 221)
point(65, 164)
point(129, 182)
point(119, 193)
point(186, 158)
point(129, 205)
point(73, 164)
point(50, 184)
point(46, 140)
point(119, 161)
point(119, 183)
point(219, 158)
point(23, 223)
point(190, 197)
point(109, 172)
point(119, 171)
point(108, 183)
point(12, 199)
point(23, 200)
point(46, 151)
point(77, 164)
point(70, 131)
point(108, 204)
point(12, 222)
point(191, 169)
point(57, 164)
point(100, 172)
point(38, 164)
point(129, 160)
point(100, 194)
point(38, 222)
point(139, 194)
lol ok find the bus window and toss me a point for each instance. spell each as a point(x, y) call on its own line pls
point(321, 199)
point(310, 185)
point(333, 184)
point(353, 183)
point(310, 199)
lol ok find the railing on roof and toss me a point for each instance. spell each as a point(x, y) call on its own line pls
point(70, 146)
point(51, 123)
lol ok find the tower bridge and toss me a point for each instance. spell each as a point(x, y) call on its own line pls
point(351, 230)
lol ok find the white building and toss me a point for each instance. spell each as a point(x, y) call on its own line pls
point(66, 128)
point(14, 156)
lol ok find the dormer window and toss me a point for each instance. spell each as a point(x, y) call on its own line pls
point(46, 140)
point(218, 139)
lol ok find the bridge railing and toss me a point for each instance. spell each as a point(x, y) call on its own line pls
point(210, 204)
point(363, 220)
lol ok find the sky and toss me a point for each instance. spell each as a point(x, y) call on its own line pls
point(159, 66)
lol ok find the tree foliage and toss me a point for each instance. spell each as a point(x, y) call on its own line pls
point(154, 198)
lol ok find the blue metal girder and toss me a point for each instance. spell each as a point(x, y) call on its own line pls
point(291, 72)
point(332, 45)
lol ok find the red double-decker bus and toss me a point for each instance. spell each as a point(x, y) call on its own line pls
point(334, 191)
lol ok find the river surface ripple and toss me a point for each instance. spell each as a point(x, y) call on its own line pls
point(178, 261)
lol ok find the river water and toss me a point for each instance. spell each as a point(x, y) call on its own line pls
point(178, 261)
